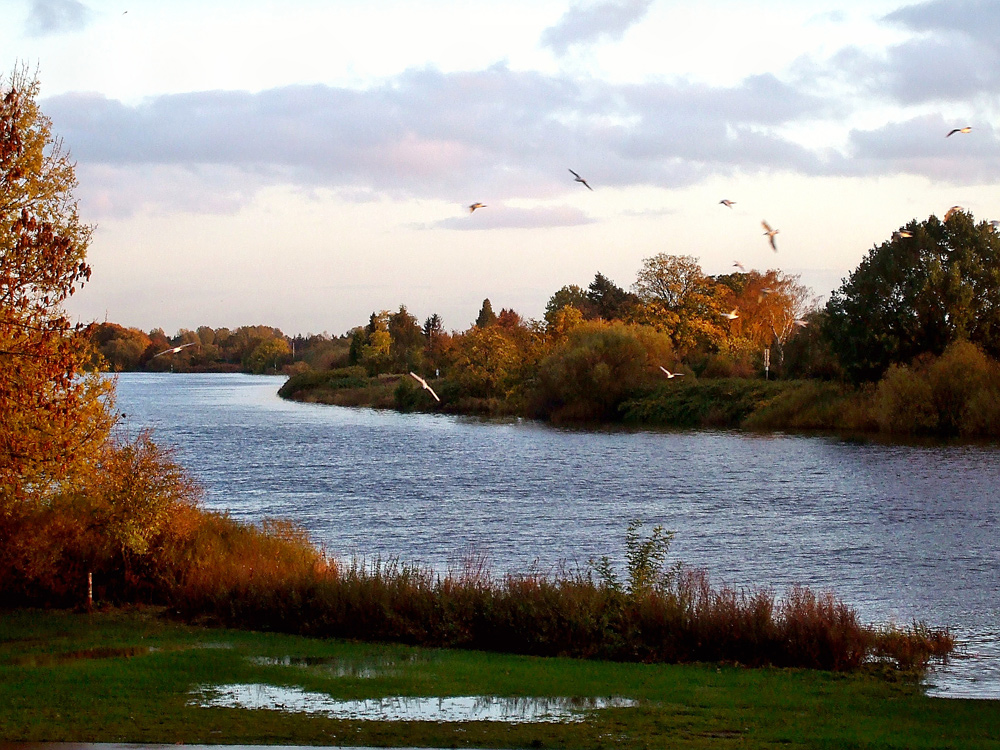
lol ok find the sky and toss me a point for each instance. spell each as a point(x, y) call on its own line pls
point(305, 163)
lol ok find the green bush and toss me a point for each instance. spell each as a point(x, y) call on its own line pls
point(957, 393)
point(723, 402)
point(904, 403)
point(960, 377)
point(599, 365)
point(809, 405)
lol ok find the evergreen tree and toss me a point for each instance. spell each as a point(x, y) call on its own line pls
point(486, 315)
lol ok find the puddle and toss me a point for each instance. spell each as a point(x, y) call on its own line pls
point(364, 669)
point(103, 652)
point(520, 710)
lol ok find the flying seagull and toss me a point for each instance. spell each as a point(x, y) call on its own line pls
point(174, 350)
point(578, 178)
point(966, 129)
point(727, 203)
point(952, 211)
point(423, 384)
point(801, 323)
point(901, 234)
point(671, 374)
point(770, 234)
point(731, 315)
point(474, 206)
point(739, 265)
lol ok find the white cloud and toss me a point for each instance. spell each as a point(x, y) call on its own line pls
point(512, 217)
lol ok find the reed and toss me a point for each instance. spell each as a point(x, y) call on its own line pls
point(681, 617)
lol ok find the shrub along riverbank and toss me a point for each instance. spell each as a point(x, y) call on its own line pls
point(135, 676)
point(954, 395)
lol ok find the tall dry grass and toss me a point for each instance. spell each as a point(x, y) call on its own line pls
point(678, 616)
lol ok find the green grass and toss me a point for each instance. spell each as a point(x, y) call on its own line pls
point(722, 402)
point(94, 696)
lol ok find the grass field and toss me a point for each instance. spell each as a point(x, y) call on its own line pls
point(135, 677)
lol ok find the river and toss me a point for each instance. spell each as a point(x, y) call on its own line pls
point(901, 532)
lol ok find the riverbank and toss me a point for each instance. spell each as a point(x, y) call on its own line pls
point(721, 403)
point(136, 676)
point(956, 395)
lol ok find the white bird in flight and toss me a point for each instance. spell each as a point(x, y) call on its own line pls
point(901, 234)
point(671, 374)
point(174, 350)
point(474, 206)
point(952, 211)
point(770, 234)
point(966, 129)
point(578, 178)
point(801, 323)
point(733, 315)
point(423, 384)
point(739, 265)
point(727, 203)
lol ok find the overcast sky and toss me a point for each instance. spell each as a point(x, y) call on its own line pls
point(302, 164)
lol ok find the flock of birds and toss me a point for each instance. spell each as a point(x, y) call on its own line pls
point(769, 232)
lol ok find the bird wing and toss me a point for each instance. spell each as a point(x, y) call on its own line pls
point(952, 133)
point(774, 245)
point(423, 384)
point(767, 227)
point(574, 174)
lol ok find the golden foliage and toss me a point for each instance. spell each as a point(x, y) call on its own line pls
point(54, 421)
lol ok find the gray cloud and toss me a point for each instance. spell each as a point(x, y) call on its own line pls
point(588, 23)
point(954, 55)
point(918, 146)
point(441, 135)
point(977, 19)
point(56, 16)
point(491, 135)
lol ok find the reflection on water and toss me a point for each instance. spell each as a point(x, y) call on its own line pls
point(973, 673)
point(514, 710)
point(364, 669)
point(900, 532)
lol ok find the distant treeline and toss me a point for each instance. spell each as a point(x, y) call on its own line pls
point(253, 349)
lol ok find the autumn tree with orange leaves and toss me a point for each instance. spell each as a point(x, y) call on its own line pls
point(54, 417)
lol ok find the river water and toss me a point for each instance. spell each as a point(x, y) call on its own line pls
point(900, 532)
